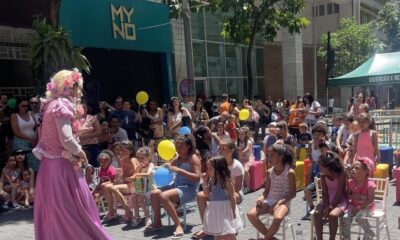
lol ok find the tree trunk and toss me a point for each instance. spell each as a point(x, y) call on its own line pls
point(54, 12)
point(249, 51)
point(249, 71)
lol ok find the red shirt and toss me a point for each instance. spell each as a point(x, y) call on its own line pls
point(231, 129)
point(108, 174)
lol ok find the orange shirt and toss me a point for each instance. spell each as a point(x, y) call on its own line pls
point(296, 117)
point(224, 107)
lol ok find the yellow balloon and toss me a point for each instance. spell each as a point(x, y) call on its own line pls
point(244, 114)
point(166, 150)
point(142, 97)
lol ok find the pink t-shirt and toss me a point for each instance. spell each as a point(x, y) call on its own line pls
point(108, 173)
point(363, 191)
point(365, 146)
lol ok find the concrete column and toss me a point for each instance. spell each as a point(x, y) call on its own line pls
point(292, 59)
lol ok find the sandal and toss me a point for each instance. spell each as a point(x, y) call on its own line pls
point(198, 235)
point(177, 235)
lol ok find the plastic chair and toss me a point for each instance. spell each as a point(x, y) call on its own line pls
point(318, 190)
point(184, 208)
point(285, 224)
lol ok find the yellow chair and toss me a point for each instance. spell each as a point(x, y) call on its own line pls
point(381, 171)
point(302, 154)
point(299, 175)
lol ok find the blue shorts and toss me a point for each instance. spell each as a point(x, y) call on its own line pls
point(186, 193)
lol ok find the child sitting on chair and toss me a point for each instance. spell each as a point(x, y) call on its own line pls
point(280, 189)
point(143, 183)
point(334, 203)
point(106, 174)
point(361, 195)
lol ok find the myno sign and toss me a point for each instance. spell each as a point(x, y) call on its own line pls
point(138, 25)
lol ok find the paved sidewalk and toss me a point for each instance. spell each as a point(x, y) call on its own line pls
point(18, 225)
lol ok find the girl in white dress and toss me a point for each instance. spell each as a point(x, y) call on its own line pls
point(221, 218)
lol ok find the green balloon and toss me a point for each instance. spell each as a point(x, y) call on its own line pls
point(11, 103)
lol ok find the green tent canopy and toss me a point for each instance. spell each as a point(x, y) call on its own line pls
point(379, 69)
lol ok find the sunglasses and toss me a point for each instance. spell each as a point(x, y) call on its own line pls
point(34, 102)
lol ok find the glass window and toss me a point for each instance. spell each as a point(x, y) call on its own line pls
point(321, 10)
point(336, 8)
point(199, 59)
point(214, 26)
point(244, 60)
point(216, 60)
point(233, 85)
point(217, 86)
point(329, 8)
point(259, 62)
point(197, 25)
point(231, 61)
point(260, 87)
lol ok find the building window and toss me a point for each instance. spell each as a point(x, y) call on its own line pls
point(216, 60)
point(315, 12)
point(199, 59)
point(321, 10)
point(329, 8)
point(336, 8)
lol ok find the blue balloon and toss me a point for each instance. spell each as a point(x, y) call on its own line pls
point(163, 177)
point(184, 131)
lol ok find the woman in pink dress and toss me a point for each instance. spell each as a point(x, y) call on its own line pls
point(64, 206)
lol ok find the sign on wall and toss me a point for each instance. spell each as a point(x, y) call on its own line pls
point(118, 24)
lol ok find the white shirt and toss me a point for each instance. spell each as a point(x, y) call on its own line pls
point(344, 133)
point(236, 169)
point(119, 136)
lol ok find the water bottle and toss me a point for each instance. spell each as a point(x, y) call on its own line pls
point(299, 232)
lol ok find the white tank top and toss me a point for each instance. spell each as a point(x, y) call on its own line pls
point(315, 153)
point(279, 185)
point(26, 127)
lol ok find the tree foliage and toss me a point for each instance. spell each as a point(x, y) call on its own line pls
point(245, 19)
point(175, 6)
point(389, 22)
point(52, 50)
point(353, 44)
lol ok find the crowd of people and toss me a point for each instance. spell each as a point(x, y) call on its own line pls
point(211, 164)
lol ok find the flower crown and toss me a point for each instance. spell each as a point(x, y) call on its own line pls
point(74, 78)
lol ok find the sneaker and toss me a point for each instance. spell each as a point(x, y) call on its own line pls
point(307, 217)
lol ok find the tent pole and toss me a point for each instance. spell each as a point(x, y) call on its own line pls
point(327, 100)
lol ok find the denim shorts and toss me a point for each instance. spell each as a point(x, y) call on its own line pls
point(186, 193)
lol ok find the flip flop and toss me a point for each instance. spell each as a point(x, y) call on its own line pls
point(196, 235)
point(177, 235)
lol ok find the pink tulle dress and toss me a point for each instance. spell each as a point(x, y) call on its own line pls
point(64, 206)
